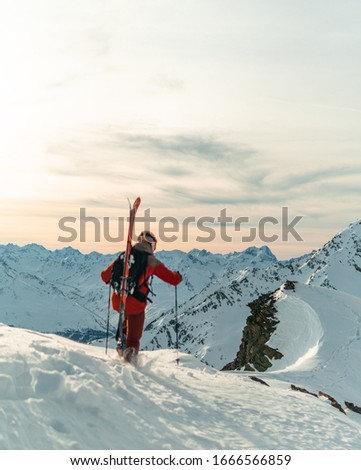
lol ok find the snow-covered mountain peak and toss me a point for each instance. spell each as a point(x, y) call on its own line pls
point(199, 253)
point(263, 250)
point(337, 264)
point(67, 251)
point(36, 248)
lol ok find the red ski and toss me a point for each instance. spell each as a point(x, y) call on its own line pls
point(120, 337)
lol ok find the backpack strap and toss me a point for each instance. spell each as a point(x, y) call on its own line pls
point(117, 272)
point(136, 293)
point(146, 282)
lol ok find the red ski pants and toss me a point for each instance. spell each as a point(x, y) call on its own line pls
point(133, 329)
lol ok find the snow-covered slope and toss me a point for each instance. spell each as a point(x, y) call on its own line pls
point(51, 290)
point(58, 394)
point(319, 335)
point(337, 264)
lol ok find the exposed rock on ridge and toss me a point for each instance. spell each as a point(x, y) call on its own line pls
point(254, 353)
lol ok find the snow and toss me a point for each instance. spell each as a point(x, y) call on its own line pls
point(59, 394)
point(60, 291)
point(328, 323)
point(298, 335)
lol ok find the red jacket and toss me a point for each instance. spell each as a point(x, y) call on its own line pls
point(154, 267)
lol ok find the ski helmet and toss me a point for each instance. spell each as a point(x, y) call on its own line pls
point(148, 237)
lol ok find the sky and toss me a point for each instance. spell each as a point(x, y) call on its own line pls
point(202, 106)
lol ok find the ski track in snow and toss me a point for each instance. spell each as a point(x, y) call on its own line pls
point(299, 322)
point(57, 394)
point(328, 323)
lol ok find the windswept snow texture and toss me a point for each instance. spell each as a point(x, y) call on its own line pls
point(58, 394)
point(320, 336)
point(298, 335)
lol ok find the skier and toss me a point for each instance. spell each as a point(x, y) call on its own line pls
point(136, 303)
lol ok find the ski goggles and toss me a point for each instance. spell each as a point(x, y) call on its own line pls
point(148, 237)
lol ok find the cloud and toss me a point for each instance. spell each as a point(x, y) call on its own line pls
point(316, 176)
point(219, 195)
point(97, 154)
point(203, 147)
point(214, 199)
point(88, 156)
point(191, 170)
point(174, 169)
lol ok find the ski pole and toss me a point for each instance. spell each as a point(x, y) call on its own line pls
point(176, 325)
point(106, 342)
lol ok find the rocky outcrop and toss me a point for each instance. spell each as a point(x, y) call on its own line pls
point(353, 407)
point(254, 353)
point(321, 394)
point(332, 400)
point(290, 285)
point(257, 379)
point(302, 390)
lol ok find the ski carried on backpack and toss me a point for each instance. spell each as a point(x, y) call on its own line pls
point(120, 337)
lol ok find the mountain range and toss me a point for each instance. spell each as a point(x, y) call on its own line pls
point(286, 334)
point(61, 292)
